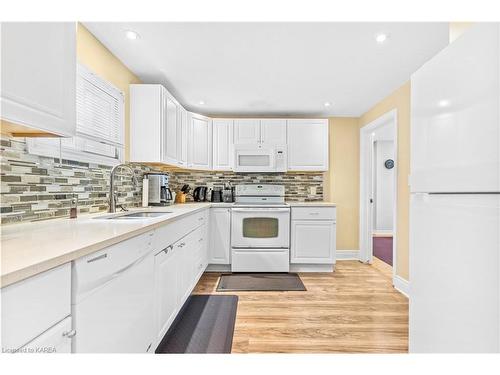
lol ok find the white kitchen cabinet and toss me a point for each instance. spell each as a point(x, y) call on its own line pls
point(182, 137)
point(313, 234)
point(170, 130)
point(167, 293)
point(56, 339)
point(38, 78)
point(246, 131)
point(153, 125)
point(273, 131)
point(260, 131)
point(220, 236)
point(223, 151)
point(200, 142)
point(32, 306)
point(307, 145)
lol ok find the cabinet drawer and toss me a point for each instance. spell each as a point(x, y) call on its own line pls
point(55, 340)
point(314, 213)
point(31, 306)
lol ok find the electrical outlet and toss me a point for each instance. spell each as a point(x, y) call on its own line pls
point(312, 190)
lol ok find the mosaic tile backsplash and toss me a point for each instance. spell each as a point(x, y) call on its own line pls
point(38, 188)
point(297, 184)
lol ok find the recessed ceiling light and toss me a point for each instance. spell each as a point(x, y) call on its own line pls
point(132, 35)
point(328, 104)
point(444, 103)
point(381, 38)
point(201, 102)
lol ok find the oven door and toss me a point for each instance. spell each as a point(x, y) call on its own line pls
point(260, 227)
point(254, 159)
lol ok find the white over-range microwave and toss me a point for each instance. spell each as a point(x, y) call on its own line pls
point(261, 158)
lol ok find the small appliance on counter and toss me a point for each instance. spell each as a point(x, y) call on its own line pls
point(200, 194)
point(216, 195)
point(159, 193)
point(228, 193)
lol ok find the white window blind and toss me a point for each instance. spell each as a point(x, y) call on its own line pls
point(99, 124)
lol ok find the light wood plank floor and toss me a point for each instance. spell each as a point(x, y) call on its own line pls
point(353, 310)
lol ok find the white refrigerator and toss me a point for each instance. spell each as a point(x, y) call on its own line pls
point(455, 197)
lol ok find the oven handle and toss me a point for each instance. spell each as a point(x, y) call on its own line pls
point(259, 209)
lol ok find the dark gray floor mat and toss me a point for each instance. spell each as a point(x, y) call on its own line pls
point(260, 282)
point(205, 325)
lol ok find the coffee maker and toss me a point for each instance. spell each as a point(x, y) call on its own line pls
point(159, 193)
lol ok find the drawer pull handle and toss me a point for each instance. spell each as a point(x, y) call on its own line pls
point(314, 213)
point(168, 248)
point(200, 219)
point(98, 258)
point(201, 239)
point(69, 334)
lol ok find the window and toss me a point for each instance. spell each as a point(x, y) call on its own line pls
point(99, 124)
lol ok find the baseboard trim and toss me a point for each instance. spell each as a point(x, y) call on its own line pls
point(312, 267)
point(347, 254)
point(218, 268)
point(401, 285)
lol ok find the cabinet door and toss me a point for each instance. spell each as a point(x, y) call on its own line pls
point(307, 145)
point(313, 241)
point(170, 133)
point(273, 131)
point(222, 144)
point(38, 76)
point(246, 131)
point(220, 236)
point(182, 137)
point(146, 123)
point(166, 289)
point(56, 339)
point(200, 142)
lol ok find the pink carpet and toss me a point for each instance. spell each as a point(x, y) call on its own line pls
point(382, 249)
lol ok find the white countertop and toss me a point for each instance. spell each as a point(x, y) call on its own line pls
point(32, 248)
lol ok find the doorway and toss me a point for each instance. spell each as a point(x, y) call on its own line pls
point(378, 191)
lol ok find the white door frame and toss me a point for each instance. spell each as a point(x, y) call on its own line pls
point(366, 188)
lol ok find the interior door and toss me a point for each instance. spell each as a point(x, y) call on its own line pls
point(454, 273)
point(455, 106)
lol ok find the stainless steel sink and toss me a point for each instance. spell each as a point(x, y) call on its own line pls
point(134, 215)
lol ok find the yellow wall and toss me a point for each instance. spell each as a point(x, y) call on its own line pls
point(342, 179)
point(93, 54)
point(400, 100)
point(458, 28)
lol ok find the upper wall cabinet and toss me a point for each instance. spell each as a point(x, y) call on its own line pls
point(154, 117)
point(273, 131)
point(200, 142)
point(38, 76)
point(260, 131)
point(182, 136)
point(307, 145)
point(222, 144)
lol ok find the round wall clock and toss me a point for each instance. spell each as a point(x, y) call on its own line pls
point(389, 163)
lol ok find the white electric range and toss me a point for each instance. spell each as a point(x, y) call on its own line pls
point(260, 229)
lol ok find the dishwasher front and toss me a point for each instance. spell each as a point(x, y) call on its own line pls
point(112, 299)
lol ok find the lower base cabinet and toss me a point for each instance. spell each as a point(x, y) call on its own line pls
point(178, 267)
point(313, 235)
point(56, 339)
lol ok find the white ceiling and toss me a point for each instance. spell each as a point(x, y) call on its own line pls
point(274, 68)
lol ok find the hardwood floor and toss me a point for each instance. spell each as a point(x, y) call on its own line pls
point(353, 310)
